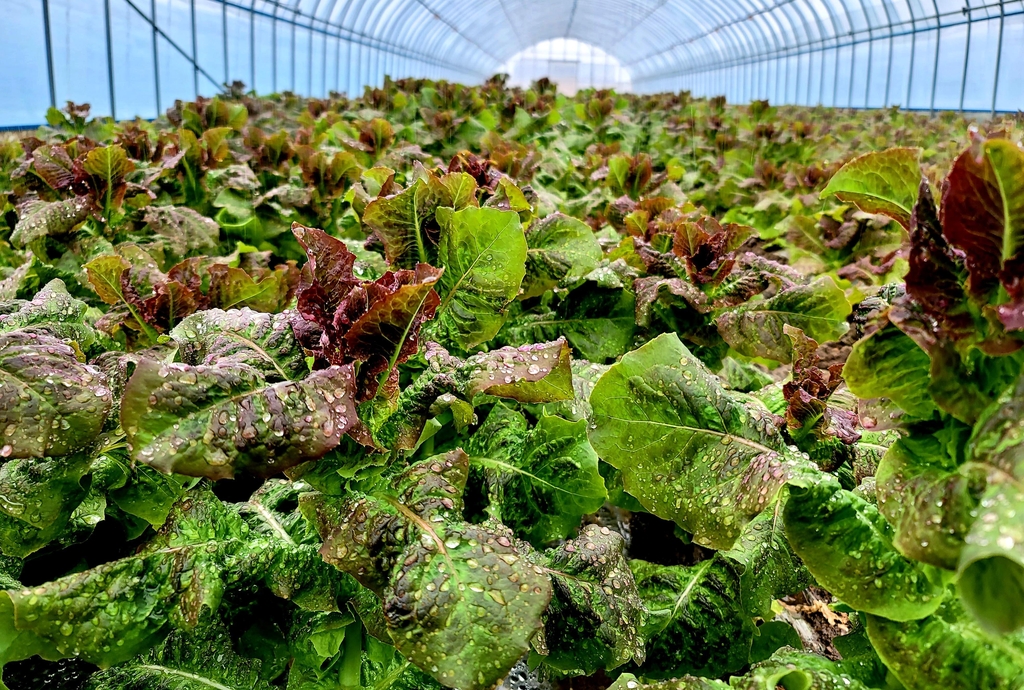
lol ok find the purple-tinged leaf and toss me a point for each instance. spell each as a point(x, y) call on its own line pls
point(50, 403)
point(37, 219)
point(215, 421)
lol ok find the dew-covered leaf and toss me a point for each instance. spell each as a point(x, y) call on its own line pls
point(596, 614)
point(697, 623)
point(883, 182)
point(789, 668)
point(947, 649)
point(542, 480)
point(10, 571)
point(538, 373)
point(770, 569)
point(183, 229)
point(266, 342)
point(991, 568)
point(847, 545)
point(688, 450)
point(928, 498)
point(459, 600)
point(483, 253)
point(50, 403)
point(54, 166)
point(559, 247)
point(755, 328)
point(203, 659)
point(214, 421)
point(599, 323)
point(627, 681)
point(38, 499)
point(889, 364)
point(55, 620)
point(108, 614)
point(38, 219)
point(54, 311)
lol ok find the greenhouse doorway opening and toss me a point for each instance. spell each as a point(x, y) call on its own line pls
point(571, 64)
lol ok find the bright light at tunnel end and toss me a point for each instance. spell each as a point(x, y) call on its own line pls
point(570, 63)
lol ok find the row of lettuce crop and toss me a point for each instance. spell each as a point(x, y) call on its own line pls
point(421, 388)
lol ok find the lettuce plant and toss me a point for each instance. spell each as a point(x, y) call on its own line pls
point(398, 391)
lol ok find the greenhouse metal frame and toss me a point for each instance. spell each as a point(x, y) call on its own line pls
point(919, 54)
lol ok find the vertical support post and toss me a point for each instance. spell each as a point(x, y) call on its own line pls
point(779, 98)
point(835, 78)
point(785, 83)
point(913, 56)
point(935, 70)
point(195, 50)
point(110, 61)
point(821, 75)
point(49, 54)
point(337, 66)
point(358, 87)
point(853, 65)
point(323, 73)
point(348, 71)
point(871, 58)
point(309, 76)
point(888, 72)
point(796, 90)
point(999, 54)
point(774, 80)
point(252, 46)
point(224, 38)
point(156, 55)
point(273, 50)
point(967, 56)
point(293, 54)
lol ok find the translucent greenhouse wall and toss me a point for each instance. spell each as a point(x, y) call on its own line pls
point(135, 57)
point(919, 54)
point(130, 58)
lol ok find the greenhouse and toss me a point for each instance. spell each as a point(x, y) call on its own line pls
point(511, 345)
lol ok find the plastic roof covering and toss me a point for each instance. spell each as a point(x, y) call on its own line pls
point(651, 38)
